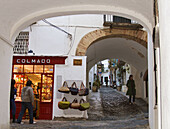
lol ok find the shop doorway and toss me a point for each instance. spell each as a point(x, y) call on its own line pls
point(42, 87)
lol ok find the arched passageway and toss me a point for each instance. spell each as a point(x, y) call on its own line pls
point(139, 36)
point(129, 46)
point(14, 19)
point(129, 51)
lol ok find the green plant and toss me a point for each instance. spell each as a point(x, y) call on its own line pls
point(96, 84)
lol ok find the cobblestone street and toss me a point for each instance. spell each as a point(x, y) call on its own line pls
point(109, 110)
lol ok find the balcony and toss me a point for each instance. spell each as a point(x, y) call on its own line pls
point(120, 22)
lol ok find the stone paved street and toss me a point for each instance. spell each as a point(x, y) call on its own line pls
point(109, 110)
point(111, 105)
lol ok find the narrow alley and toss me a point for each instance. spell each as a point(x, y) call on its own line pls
point(109, 110)
point(110, 104)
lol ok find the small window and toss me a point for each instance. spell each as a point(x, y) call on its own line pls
point(38, 68)
point(48, 69)
point(28, 68)
point(18, 69)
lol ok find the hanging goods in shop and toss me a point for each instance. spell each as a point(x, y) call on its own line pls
point(64, 104)
point(75, 104)
point(84, 105)
point(83, 90)
point(64, 88)
point(73, 89)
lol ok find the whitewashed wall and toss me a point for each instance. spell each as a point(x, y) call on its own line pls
point(70, 74)
point(106, 74)
point(45, 39)
point(165, 63)
point(139, 83)
point(91, 75)
point(151, 81)
point(5, 78)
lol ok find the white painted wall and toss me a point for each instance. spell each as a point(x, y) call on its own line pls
point(140, 86)
point(14, 20)
point(91, 75)
point(83, 20)
point(159, 107)
point(45, 39)
point(70, 74)
point(152, 116)
point(106, 74)
point(117, 48)
point(140, 90)
point(5, 79)
point(165, 62)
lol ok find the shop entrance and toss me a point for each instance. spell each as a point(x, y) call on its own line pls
point(40, 70)
point(42, 87)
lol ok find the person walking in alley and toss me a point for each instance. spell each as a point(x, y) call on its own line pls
point(27, 97)
point(12, 99)
point(131, 89)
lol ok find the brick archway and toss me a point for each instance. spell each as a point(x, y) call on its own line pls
point(139, 36)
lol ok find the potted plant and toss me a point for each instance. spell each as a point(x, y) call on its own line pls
point(96, 86)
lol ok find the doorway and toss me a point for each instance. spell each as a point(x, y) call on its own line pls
point(42, 87)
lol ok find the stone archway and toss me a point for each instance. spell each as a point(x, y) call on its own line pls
point(94, 37)
point(139, 36)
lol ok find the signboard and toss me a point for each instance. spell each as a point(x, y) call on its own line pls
point(77, 62)
point(35, 60)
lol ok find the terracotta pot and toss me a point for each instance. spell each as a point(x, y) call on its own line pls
point(119, 88)
point(95, 89)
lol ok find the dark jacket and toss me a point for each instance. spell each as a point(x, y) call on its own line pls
point(131, 87)
point(13, 92)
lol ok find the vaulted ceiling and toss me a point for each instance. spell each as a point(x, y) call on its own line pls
point(16, 15)
point(118, 48)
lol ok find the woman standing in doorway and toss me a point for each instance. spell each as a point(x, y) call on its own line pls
point(131, 89)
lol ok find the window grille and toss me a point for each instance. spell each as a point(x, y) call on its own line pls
point(116, 19)
point(21, 43)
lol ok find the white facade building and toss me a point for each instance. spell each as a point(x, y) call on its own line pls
point(16, 15)
point(47, 40)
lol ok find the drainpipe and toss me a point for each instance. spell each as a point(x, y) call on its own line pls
point(156, 87)
point(157, 60)
point(155, 45)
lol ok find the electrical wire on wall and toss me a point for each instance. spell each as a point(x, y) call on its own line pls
point(72, 41)
point(69, 35)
